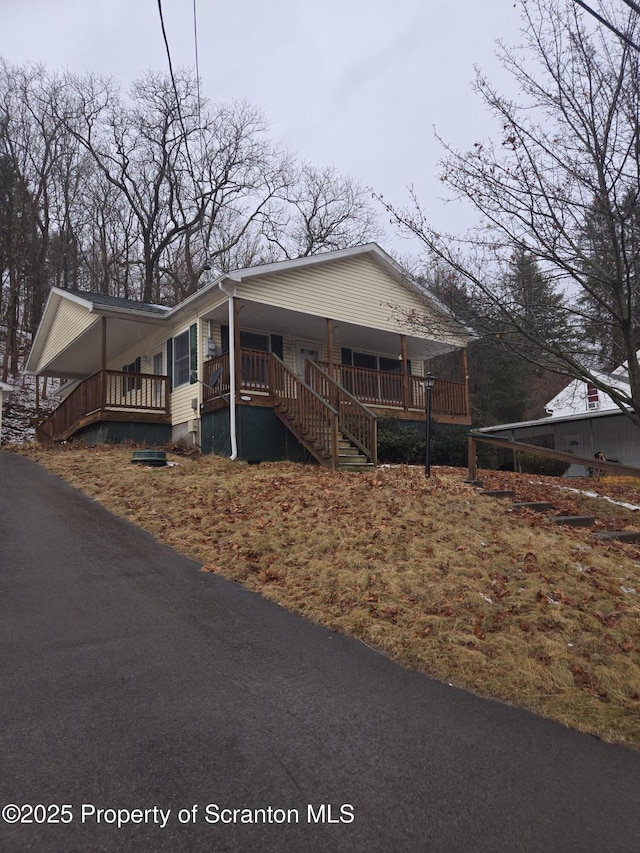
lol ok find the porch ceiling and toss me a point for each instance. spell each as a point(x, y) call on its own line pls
point(258, 317)
point(83, 355)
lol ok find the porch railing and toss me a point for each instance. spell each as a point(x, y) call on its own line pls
point(371, 387)
point(379, 388)
point(107, 390)
point(254, 373)
point(355, 421)
point(223, 384)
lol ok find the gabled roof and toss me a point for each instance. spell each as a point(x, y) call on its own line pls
point(371, 250)
point(71, 318)
point(96, 306)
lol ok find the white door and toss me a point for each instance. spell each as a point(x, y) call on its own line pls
point(306, 351)
point(158, 385)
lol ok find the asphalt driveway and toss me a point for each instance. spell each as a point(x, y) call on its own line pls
point(146, 705)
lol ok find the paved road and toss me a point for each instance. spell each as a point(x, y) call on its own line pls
point(132, 681)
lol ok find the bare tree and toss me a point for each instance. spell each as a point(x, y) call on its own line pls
point(569, 146)
point(45, 169)
point(183, 168)
point(320, 211)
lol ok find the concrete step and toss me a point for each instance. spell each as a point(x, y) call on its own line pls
point(360, 467)
point(538, 506)
point(498, 493)
point(619, 535)
point(574, 520)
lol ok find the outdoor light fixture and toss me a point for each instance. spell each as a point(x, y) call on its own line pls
point(428, 383)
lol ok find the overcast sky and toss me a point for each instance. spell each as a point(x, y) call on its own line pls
point(355, 84)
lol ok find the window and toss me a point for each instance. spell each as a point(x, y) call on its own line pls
point(133, 383)
point(373, 362)
point(182, 357)
point(593, 401)
point(252, 340)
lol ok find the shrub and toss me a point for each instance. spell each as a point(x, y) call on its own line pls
point(402, 442)
point(399, 443)
point(530, 464)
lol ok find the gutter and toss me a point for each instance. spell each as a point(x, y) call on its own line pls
point(232, 371)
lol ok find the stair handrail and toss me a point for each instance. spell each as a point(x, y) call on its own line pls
point(367, 440)
point(315, 428)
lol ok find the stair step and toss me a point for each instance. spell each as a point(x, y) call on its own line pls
point(349, 466)
point(574, 520)
point(619, 535)
point(498, 493)
point(538, 506)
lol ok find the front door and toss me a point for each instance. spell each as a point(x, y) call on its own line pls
point(306, 351)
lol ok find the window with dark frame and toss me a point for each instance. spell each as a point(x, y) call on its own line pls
point(181, 359)
point(131, 383)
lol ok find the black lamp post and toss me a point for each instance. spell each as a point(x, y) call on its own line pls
point(429, 382)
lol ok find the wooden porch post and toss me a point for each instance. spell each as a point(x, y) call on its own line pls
point(330, 326)
point(472, 459)
point(103, 348)
point(406, 400)
point(103, 364)
point(236, 345)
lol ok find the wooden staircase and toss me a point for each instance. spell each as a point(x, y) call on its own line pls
point(330, 423)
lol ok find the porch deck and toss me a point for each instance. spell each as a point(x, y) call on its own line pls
point(109, 395)
point(112, 395)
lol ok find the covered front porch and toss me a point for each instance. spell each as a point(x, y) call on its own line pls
point(383, 370)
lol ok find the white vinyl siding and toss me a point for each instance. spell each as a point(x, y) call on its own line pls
point(354, 290)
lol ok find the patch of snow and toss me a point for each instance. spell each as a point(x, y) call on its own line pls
point(597, 495)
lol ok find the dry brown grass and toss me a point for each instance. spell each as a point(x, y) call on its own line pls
point(438, 577)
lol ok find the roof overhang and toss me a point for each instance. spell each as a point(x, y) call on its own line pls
point(260, 317)
point(82, 355)
point(551, 421)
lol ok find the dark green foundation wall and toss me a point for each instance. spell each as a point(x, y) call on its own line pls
point(115, 432)
point(261, 436)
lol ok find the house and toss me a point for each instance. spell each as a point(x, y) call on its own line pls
point(287, 360)
point(4, 391)
point(584, 421)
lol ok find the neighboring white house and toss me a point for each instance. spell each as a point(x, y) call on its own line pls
point(580, 397)
point(4, 390)
point(583, 420)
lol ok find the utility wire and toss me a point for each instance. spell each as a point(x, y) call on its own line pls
point(609, 25)
point(175, 91)
point(195, 43)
